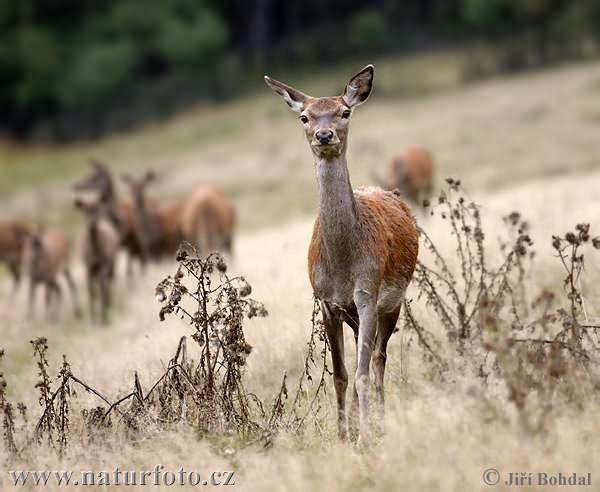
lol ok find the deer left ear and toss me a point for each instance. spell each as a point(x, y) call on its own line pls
point(358, 89)
point(293, 97)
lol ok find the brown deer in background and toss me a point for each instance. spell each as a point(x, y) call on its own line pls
point(121, 213)
point(99, 247)
point(207, 219)
point(363, 249)
point(157, 226)
point(45, 259)
point(12, 240)
point(410, 170)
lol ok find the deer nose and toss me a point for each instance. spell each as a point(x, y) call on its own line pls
point(324, 136)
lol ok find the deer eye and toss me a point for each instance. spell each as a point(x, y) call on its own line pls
point(303, 119)
point(346, 113)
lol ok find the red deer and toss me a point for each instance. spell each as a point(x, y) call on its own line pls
point(99, 244)
point(121, 213)
point(363, 250)
point(45, 258)
point(207, 219)
point(411, 171)
point(12, 237)
point(157, 226)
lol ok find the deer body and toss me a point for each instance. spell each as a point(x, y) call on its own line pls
point(205, 218)
point(12, 237)
point(208, 219)
point(156, 225)
point(411, 171)
point(100, 243)
point(46, 257)
point(122, 214)
point(363, 249)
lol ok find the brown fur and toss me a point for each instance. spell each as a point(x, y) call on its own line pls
point(120, 212)
point(411, 171)
point(207, 219)
point(157, 225)
point(378, 211)
point(363, 249)
point(12, 239)
point(45, 258)
point(100, 242)
point(167, 219)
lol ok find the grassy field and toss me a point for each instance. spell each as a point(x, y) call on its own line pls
point(528, 143)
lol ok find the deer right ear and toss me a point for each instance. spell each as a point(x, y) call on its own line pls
point(358, 89)
point(294, 98)
point(150, 176)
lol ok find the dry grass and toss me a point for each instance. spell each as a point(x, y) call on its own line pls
point(526, 144)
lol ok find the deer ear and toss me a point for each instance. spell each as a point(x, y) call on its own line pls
point(358, 89)
point(294, 98)
point(150, 176)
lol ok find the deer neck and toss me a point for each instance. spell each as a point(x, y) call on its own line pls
point(337, 206)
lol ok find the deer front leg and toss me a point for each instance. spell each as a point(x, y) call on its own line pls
point(335, 336)
point(366, 303)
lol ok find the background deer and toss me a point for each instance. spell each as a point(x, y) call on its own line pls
point(45, 259)
point(120, 213)
point(157, 225)
point(12, 238)
point(363, 249)
point(411, 171)
point(207, 219)
point(99, 246)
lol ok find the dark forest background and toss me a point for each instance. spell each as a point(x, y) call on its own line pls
point(74, 69)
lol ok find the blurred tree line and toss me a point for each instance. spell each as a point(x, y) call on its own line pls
point(79, 68)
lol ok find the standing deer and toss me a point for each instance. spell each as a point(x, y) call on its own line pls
point(207, 219)
point(12, 237)
point(99, 244)
point(157, 225)
point(411, 171)
point(121, 213)
point(45, 258)
point(363, 250)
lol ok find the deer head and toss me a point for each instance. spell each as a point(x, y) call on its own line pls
point(137, 186)
point(326, 119)
point(99, 180)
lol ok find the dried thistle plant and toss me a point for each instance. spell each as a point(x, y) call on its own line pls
point(457, 295)
point(215, 305)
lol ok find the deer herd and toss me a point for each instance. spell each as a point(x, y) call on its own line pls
point(361, 257)
point(138, 225)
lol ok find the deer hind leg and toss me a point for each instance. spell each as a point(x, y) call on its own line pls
point(32, 287)
point(105, 281)
point(91, 284)
point(15, 271)
point(353, 413)
point(73, 292)
point(52, 296)
point(335, 336)
point(366, 303)
point(386, 325)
